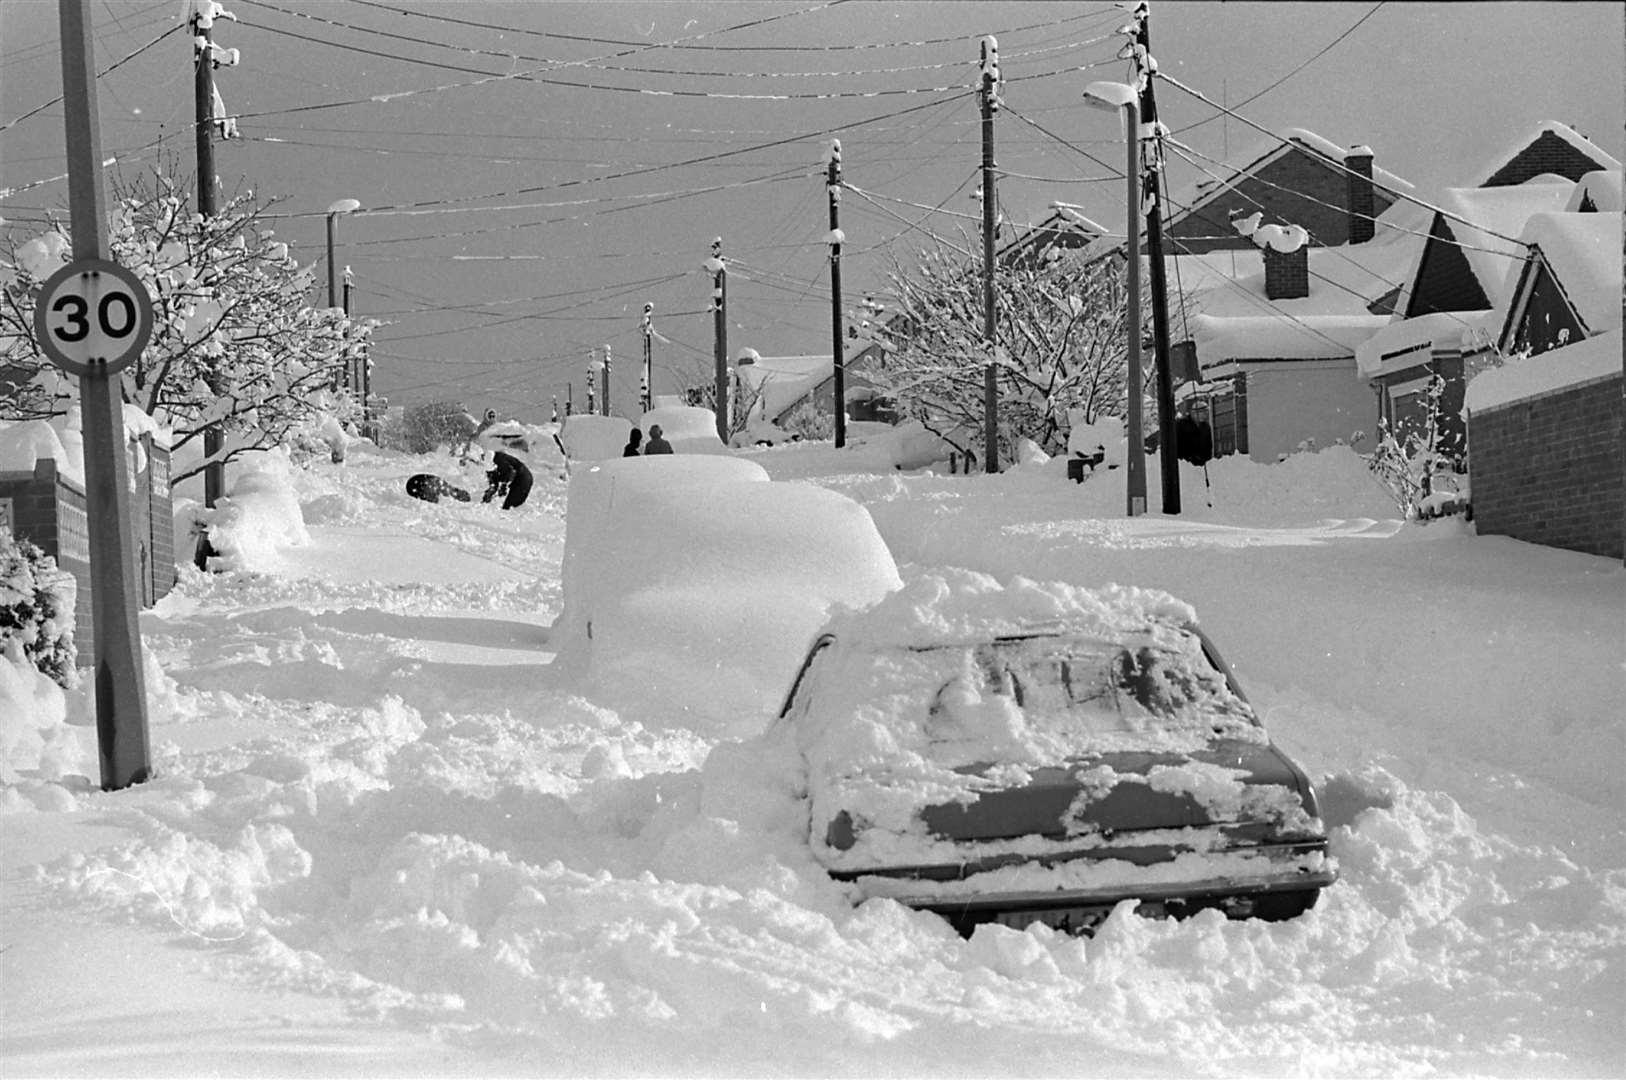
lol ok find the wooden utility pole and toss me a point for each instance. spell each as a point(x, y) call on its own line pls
point(719, 322)
point(990, 381)
point(203, 92)
point(648, 327)
point(606, 376)
point(91, 327)
point(1152, 184)
point(838, 351)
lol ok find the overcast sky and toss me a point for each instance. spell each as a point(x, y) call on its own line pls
point(512, 226)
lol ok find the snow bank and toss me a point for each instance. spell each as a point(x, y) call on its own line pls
point(260, 516)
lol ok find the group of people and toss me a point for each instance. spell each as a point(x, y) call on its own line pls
point(656, 443)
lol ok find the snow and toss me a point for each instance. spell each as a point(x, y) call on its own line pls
point(389, 834)
point(1271, 337)
point(1584, 251)
point(1521, 378)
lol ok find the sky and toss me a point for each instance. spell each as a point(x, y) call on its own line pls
point(391, 833)
point(511, 227)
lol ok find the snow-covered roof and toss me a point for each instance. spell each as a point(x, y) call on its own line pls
point(1499, 210)
point(1344, 280)
point(1502, 210)
point(1584, 252)
point(1526, 377)
point(1562, 131)
point(1278, 337)
point(1209, 188)
point(782, 380)
point(1402, 342)
point(1599, 190)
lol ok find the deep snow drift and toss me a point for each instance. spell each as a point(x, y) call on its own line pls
point(387, 836)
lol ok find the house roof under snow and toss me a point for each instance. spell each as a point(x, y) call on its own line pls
point(1280, 337)
point(1399, 344)
point(1551, 147)
point(783, 379)
point(1494, 213)
point(1584, 253)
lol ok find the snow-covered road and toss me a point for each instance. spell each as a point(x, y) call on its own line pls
point(387, 838)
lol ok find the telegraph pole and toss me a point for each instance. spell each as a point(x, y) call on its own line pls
point(592, 382)
point(832, 182)
point(648, 326)
point(990, 382)
point(1146, 67)
point(203, 93)
point(606, 375)
point(92, 292)
point(719, 322)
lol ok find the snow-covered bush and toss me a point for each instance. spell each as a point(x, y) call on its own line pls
point(436, 423)
point(36, 610)
point(1416, 465)
point(808, 422)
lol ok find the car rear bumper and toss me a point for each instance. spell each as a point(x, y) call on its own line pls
point(1078, 894)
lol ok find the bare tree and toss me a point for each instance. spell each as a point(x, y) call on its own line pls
point(1062, 346)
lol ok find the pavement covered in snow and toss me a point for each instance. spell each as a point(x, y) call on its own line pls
point(389, 836)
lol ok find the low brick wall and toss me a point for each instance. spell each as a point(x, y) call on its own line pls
point(48, 508)
point(1551, 468)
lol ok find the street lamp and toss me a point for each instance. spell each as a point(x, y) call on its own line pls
point(1114, 96)
point(343, 206)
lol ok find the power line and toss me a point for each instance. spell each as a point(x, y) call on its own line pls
point(643, 171)
point(688, 43)
point(511, 56)
point(1329, 47)
point(1337, 165)
point(114, 66)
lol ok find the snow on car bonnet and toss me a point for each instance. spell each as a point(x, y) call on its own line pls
point(921, 686)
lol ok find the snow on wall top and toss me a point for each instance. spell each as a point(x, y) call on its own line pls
point(1528, 376)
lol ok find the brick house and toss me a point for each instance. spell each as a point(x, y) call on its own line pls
point(1302, 179)
point(1445, 321)
point(1065, 229)
point(1545, 428)
point(1266, 331)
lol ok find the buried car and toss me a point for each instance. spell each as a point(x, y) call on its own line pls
point(1041, 752)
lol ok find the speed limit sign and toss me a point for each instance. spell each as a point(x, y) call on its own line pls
point(93, 317)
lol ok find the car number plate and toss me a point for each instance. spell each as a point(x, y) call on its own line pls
point(1068, 920)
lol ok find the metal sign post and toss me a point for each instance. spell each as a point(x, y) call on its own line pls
point(93, 318)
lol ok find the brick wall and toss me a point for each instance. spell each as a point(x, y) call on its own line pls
point(1550, 469)
point(47, 508)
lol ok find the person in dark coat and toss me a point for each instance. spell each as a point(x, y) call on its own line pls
point(509, 476)
point(1193, 437)
point(631, 449)
point(655, 443)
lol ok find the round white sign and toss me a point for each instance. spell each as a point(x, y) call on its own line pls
point(93, 317)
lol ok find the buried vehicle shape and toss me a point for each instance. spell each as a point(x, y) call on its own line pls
point(1040, 752)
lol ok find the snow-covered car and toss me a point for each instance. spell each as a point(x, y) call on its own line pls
point(1043, 752)
point(696, 579)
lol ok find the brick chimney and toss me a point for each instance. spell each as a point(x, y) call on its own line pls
point(1362, 204)
point(1287, 273)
